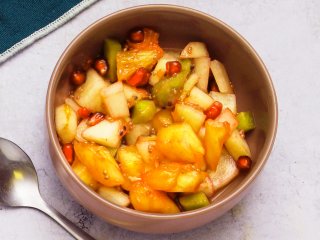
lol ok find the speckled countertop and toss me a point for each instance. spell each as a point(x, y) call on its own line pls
point(285, 201)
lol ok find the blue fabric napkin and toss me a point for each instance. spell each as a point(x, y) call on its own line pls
point(24, 21)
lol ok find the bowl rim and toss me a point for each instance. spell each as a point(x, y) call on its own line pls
point(247, 182)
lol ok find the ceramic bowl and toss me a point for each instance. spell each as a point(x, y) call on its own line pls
point(177, 26)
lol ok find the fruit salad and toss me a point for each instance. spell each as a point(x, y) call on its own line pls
point(152, 129)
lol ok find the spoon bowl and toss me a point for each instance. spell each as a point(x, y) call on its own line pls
point(19, 186)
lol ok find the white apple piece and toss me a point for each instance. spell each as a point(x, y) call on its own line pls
point(194, 50)
point(188, 85)
point(114, 195)
point(66, 123)
point(221, 76)
point(133, 95)
point(228, 100)
point(140, 129)
point(202, 69)
point(200, 98)
point(115, 100)
point(81, 127)
point(88, 94)
point(72, 104)
point(106, 133)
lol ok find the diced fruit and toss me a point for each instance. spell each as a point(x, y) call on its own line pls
point(114, 195)
point(226, 171)
point(115, 100)
point(66, 123)
point(214, 110)
point(221, 77)
point(68, 152)
point(106, 133)
point(143, 198)
point(227, 100)
point(194, 201)
point(167, 91)
point(100, 65)
point(178, 142)
point(137, 130)
point(139, 78)
point(185, 113)
point(237, 146)
point(129, 62)
point(173, 67)
point(174, 177)
point(200, 98)
point(83, 112)
point(81, 127)
point(162, 119)
point(78, 77)
point(206, 187)
point(246, 121)
point(88, 94)
point(160, 69)
point(244, 163)
point(133, 95)
point(143, 111)
point(227, 116)
point(82, 172)
point(194, 50)
point(137, 36)
point(188, 86)
point(95, 119)
point(131, 162)
point(202, 69)
point(111, 48)
point(216, 135)
point(147, 149)
point(99, 163)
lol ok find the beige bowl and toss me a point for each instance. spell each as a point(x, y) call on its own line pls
point(177, 26)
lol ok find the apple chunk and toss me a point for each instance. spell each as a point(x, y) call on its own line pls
point(88, 94)
point(228, 100)
point(202, 69)
point(106, 133)
point(66, 123)
point(221, 76)
point(194, 50)
point(200, 98)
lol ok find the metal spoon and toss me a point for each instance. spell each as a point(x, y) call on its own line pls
point(19, 186)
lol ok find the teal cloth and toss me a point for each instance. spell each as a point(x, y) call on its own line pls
point(21, 18)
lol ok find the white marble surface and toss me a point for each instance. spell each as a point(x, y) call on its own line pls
point(284, 203)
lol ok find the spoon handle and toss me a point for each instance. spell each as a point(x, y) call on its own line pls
point(76, 232)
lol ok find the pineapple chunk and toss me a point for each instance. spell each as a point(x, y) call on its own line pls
point(202, 69)
point(237, 146)
point(99, 162)
point(66, 123)
point(133, 95)
point(185, 113)
point(160, 69)
point(221, 76)
point(142, 129)
point(228, 100)
point(106, 133)
point(130, 61)
point(147, 150)
point(200, 98)
point(88, 94)
point(194, 50)
point(131, 162)
point(143, 198)
point(178, 142)
point(216, 135)
point(114, 195)
point(115, 100)
point(82, 172)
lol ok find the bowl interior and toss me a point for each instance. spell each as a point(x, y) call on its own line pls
point(177, 26)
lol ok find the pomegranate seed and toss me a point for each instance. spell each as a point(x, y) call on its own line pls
point(83, 112)
point(139, 78)
point(101, 66)
point(244, 163)
point(95, 119)
point(137, 36)
point(78, 77)
point(214, 110)
point(67, 150)
point(86, 65)
point(173, 67)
